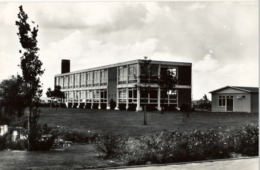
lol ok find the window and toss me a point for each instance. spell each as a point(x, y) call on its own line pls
point(71, 81)
point(89, 96)
point(103, 78)
point(103, 96)
point(82, 79)
point(77, 77)
point(89, 79)
point(96, 96)
point(96, 78)
point(132, 74)
point(122, 75)
point(132, 95)
point(221, 101)
point(122, 95)
point(61, 82)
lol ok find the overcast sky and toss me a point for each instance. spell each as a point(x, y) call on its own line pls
point(219, 38)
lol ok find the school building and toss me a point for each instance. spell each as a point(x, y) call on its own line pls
point(96, 88)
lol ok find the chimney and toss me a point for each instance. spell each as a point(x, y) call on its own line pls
point(65, 66)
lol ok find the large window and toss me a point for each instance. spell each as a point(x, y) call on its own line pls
point(77, 79)
point(132, 95)
point(89, 96)
point(96, 96)
point(82, 79)
point(103, 78)
point(61, 82)
point(66, 81)
point(103, 96)
point(132, 74)
point(221, 101)
point(71, 81)
point(96, 78)
point(122, 75)
point(89, 79)
point(122, 95)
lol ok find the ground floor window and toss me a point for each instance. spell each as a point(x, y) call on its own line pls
point(103, 96)
point(122, 95)
point(221, 101)
point(132, 95)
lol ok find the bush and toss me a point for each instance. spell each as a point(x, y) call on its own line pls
point(17, 145)
point(76, 136)
point(2, 142)
point(110, 145)
point(168, 147)
point(112, 104)
point(245, 140)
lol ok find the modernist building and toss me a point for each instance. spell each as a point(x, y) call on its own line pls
point(96, 87)
point(235, 99)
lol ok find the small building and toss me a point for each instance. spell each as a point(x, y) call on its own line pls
point(235, 99)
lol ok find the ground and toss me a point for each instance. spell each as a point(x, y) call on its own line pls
point(131, 123)
point(120, 122)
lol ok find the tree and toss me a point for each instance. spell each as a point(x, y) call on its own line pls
point(145, 77)
point(13, 96)
point(31, 70)
point(167, 82)
point(56, 93)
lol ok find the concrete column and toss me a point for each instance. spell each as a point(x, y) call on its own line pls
point(117, 100)
point(99, 99)
point(85, 100)
point(138, 107)
point(159, 99)
point(127, 105)
point(73, 98)
point(92, 99)
point(79, 96)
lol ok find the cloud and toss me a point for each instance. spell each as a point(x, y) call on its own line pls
point(99, 33)
point(207, 64)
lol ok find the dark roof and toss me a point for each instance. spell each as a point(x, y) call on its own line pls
point(245, 89)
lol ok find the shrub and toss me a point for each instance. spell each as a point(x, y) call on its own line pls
point(112, 104)
point(110, 145)
point(76, 136)
point(2, 142)
point(168, 147)
point(20, 144)
point(245, 140)
point(209, 144)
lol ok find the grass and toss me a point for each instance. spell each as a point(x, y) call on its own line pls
point(131, 123)
point(119, 122)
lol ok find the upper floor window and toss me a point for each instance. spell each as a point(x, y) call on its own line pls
point(89, 78)
point(103, 77)
point(96, 78)
point(82, 79)
point(132, 74)
point(122, 74)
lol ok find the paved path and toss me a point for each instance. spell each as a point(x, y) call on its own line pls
point(238, 164)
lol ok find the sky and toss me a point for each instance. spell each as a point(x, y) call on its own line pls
point(219, 38)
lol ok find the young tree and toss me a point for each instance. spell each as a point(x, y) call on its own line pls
point(167, 82)
point(144, 85)
point(31, 70)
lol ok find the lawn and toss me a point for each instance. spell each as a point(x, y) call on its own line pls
point(131, 123)
point(120, 122)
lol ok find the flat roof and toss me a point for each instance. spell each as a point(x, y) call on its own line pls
point(125, 63)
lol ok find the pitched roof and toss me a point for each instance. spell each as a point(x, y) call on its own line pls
point(245, 89)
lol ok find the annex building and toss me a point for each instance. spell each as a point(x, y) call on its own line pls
point(235, 99)
point(98, 88)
